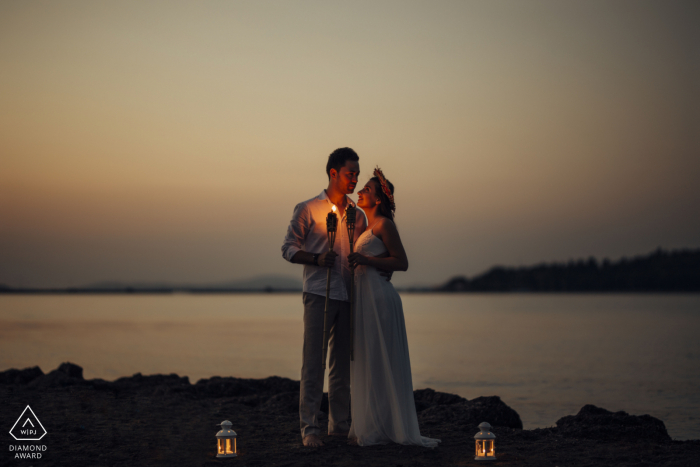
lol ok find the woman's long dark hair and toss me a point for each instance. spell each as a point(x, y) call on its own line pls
point(385, 205)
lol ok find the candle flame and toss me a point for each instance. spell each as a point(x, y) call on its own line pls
point(334, 208)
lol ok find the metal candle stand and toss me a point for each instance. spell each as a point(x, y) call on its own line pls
point(331, 227)
point(350, 216)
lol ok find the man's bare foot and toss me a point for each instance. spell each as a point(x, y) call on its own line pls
point(312, 441)
point(353, 442)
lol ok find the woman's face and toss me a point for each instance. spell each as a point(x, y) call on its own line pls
point(367, 197)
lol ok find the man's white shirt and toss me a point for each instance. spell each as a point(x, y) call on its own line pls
point(307, 231)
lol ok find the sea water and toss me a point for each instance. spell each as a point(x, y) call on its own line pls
point(545, 355)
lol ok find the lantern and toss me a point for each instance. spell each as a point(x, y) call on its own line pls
point(485, 443)
point(226, 441)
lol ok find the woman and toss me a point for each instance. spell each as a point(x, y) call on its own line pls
point(382, 406)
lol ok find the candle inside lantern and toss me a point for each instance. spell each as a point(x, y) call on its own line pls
point(485, 443)
point(226, 441)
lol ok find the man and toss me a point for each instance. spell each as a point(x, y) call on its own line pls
point(306, 243)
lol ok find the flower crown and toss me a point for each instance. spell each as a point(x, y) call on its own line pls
point(385, 188)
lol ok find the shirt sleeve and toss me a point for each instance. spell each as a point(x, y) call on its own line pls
point(296, 232)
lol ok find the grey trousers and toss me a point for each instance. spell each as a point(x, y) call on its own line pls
point(312, 373)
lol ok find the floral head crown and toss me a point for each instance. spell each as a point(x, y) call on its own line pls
point(385, 188)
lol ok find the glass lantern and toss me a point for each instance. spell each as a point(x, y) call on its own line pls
point(226, 441)
point(485, 443)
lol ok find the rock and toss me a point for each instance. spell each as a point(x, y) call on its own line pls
point(596, 423)
point(238, 387)
point(101, 385)
point(425, 398)
point(14, 376)
point(254, 400)
point(153, 380)
point(468, 414)
point(156, 385)
point(223, 387)
point(71, 369)
point(286, 402)
point(67, 374)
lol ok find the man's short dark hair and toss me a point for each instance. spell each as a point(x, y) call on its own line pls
point(338, 158)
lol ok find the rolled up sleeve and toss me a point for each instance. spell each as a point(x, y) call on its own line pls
point(296, 232)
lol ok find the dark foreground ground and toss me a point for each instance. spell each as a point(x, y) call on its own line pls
point(163, 420)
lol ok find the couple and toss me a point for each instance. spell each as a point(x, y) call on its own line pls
point(383, 409)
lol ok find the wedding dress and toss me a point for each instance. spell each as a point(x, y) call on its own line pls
point(382, 405)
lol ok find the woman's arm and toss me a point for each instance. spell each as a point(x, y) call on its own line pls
point(396, 260)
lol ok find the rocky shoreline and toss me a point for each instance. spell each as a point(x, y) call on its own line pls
point(165, 420)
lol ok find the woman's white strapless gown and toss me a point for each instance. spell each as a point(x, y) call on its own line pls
point(382, 406)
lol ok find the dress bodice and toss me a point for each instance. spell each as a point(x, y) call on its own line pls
point(369, 245)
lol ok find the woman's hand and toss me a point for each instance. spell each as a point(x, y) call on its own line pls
point(356, 259)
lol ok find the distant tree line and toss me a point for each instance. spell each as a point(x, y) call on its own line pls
point(660, 271)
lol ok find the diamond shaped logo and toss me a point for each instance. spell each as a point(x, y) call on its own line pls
point(28, 427)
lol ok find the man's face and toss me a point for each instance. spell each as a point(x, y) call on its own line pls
point(346, 180)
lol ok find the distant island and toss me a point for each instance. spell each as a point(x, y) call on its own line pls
point(260, 284)
point(659, 271)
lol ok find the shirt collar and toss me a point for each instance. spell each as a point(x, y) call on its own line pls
point(324, 195)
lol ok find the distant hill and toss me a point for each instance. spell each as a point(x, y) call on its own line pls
point(266, 282)
point(660, 271)
point(260, 283)
point(269, 283)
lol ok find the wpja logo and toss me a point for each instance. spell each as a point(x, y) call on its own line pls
point(28, 428)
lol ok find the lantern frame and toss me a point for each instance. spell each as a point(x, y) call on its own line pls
point(485, 443)
point(226, 441)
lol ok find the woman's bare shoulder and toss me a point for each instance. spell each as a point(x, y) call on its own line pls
point(384, 225)
point(386, 222)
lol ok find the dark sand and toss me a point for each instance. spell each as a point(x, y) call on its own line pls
point(164, 420)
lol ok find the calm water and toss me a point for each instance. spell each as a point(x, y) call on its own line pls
point(545, 355)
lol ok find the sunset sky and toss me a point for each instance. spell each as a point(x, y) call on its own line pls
point(170, 141)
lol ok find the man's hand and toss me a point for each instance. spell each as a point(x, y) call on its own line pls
point(386, 274)
point(327, 259)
